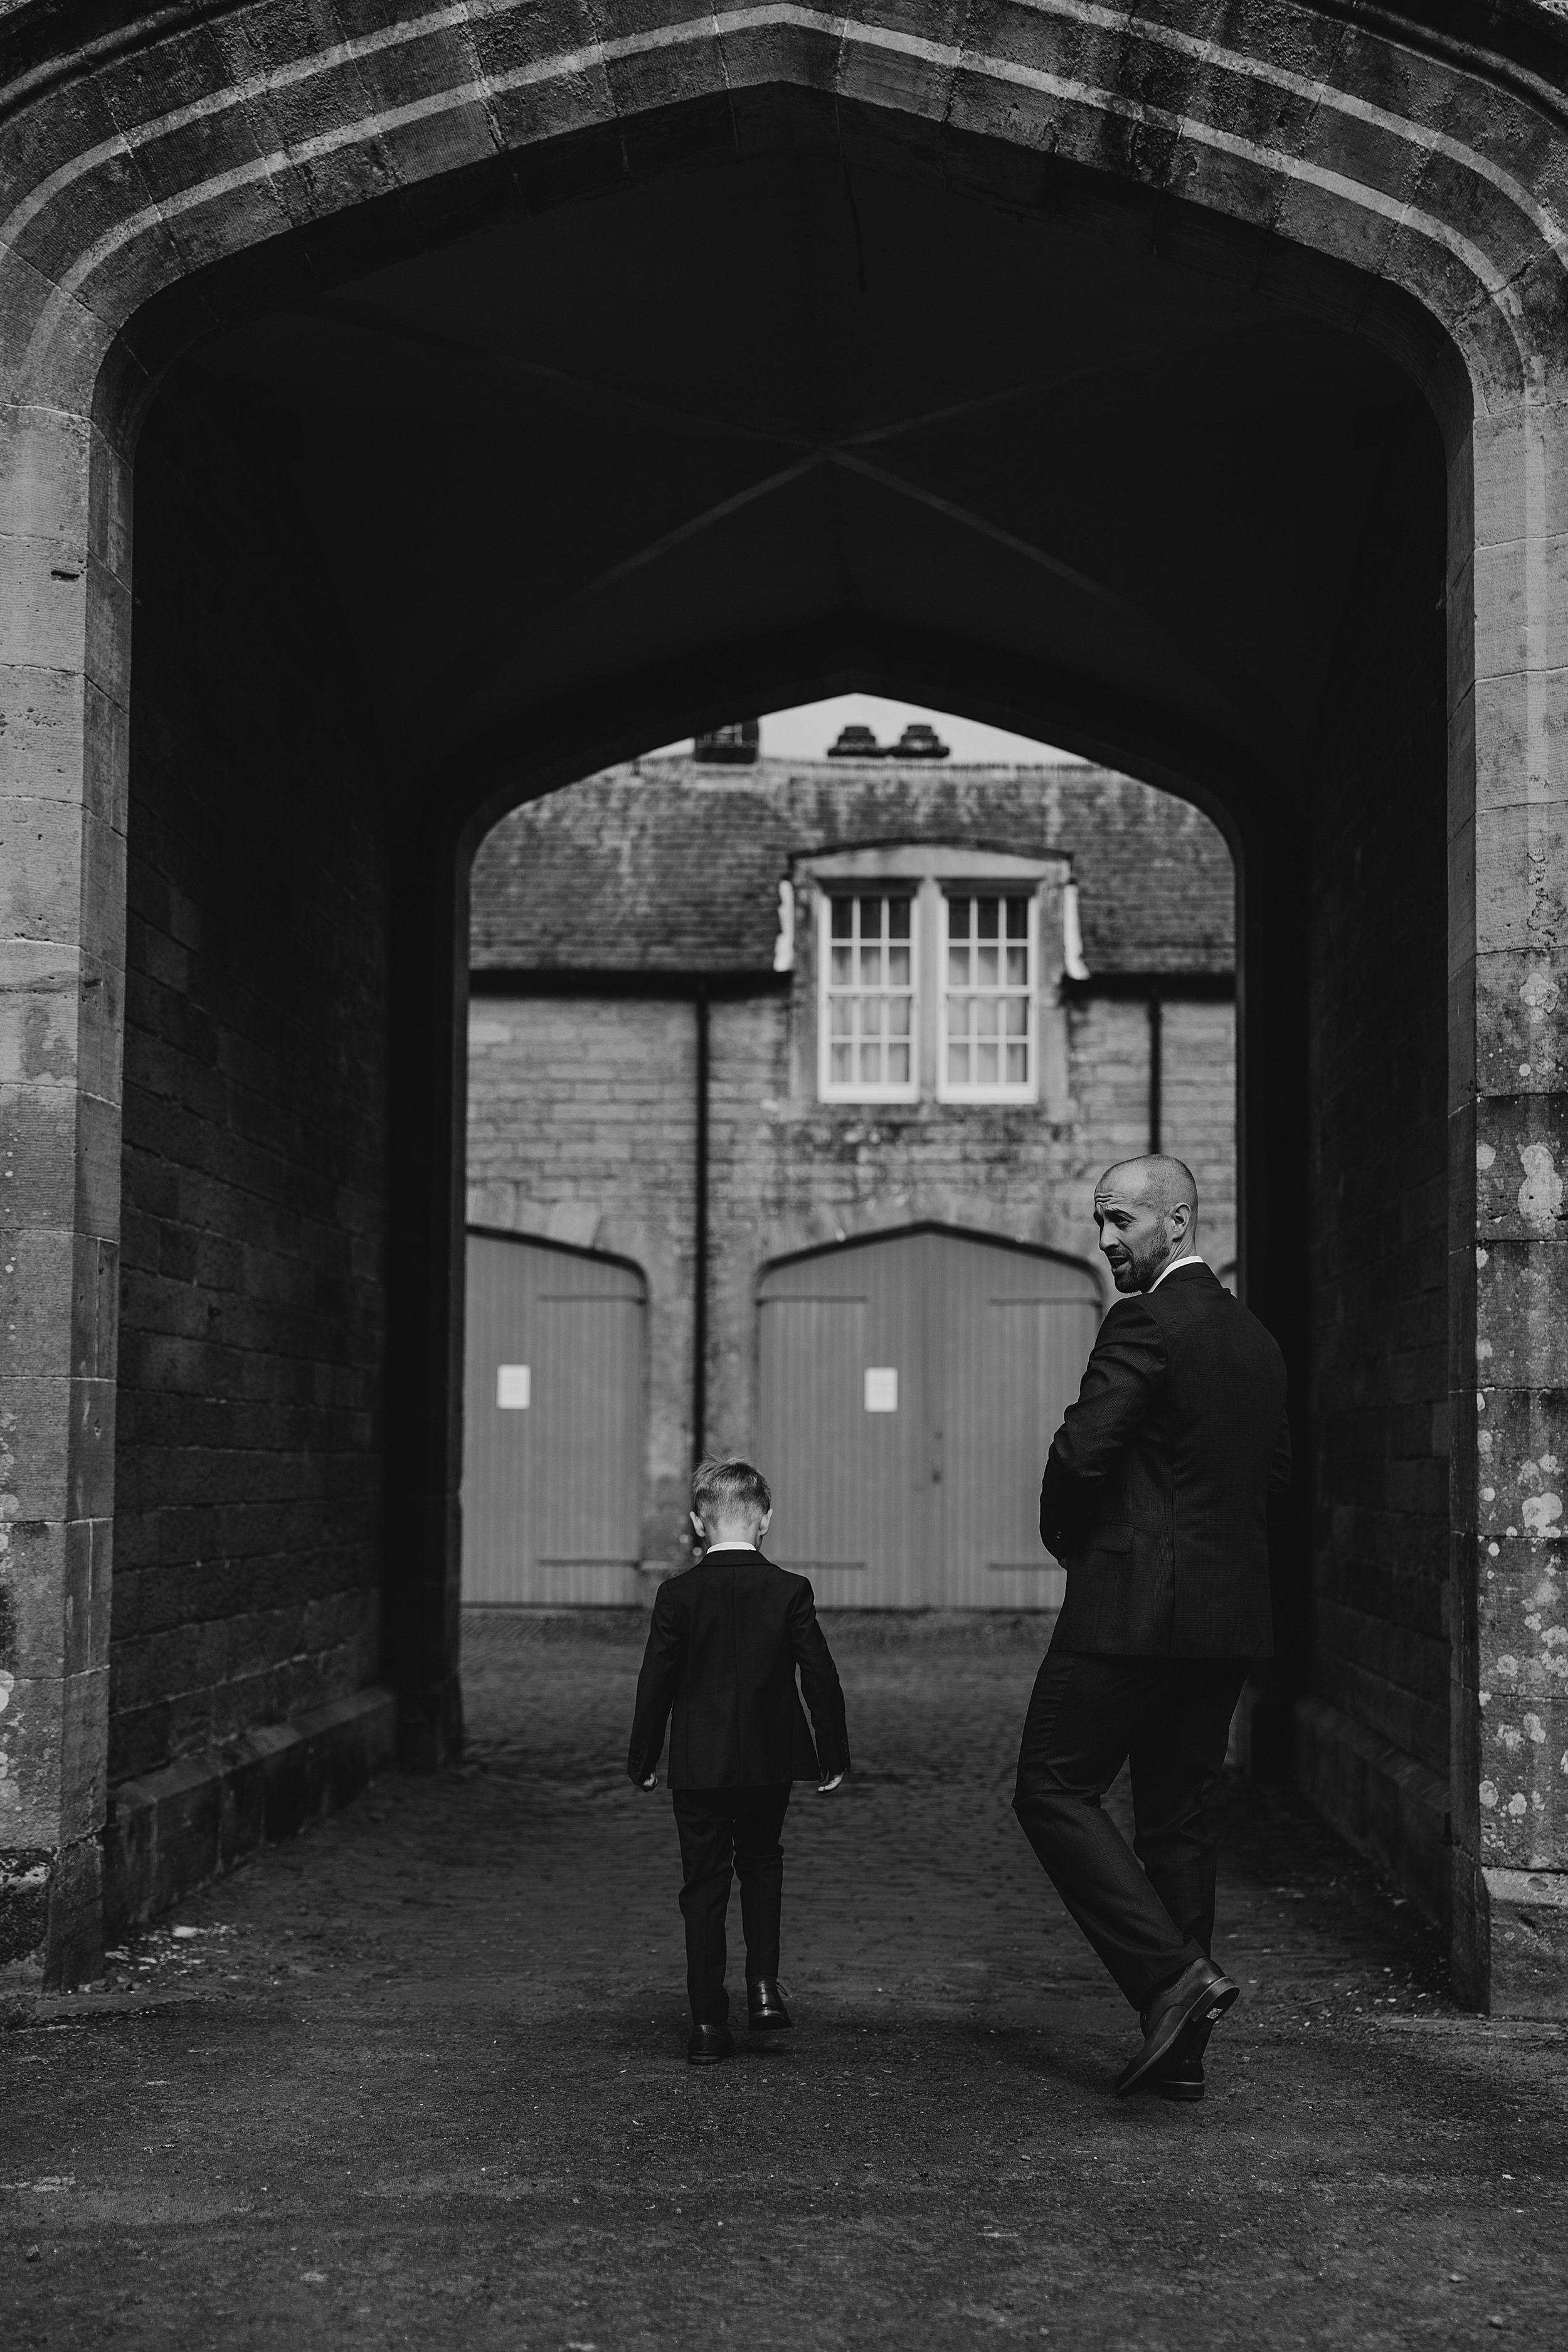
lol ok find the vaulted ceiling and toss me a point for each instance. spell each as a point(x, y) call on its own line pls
point(808, 407)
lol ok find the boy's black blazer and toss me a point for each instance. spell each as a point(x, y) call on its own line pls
point(726, 1638)
point(1155, 1493)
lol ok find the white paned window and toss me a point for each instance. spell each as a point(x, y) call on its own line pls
point(987, 1051)
point(867, 1007)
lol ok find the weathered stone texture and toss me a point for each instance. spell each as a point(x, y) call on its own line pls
point(1522, 1632)
point(62, 866)
point(247, 1570)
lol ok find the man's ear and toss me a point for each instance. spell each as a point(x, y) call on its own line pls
point(765, 1523)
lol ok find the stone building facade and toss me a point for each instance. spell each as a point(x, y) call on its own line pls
point(627, 935)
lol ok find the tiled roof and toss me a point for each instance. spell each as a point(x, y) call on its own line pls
point(665, 866)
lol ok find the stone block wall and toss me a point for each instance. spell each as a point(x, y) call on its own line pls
point(1107, 1044)
point(247, 1570)
point(1198, 1119)
point(1378, 1738)
point(1109, 1049)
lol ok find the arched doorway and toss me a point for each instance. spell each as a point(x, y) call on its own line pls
point(909, 1387)
point(1131, 376)
point(552, 1425)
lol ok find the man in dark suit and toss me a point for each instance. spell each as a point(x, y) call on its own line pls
point(726, 1638)
point(1154, 1499)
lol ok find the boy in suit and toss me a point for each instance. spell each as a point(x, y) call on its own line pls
point(726, 1638)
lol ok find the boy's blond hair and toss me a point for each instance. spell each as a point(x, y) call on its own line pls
point(726, 1488)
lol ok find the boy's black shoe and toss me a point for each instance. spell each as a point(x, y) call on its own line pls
point(764, 2006)
point(708, 2044)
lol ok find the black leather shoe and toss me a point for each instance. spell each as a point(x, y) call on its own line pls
point(1181, 2077)
point(709, 2044)
point(1200, 1994)
point(1182, 2080)
point(764, 2006)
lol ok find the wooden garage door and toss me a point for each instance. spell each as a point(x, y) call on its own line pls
point(553, 1433)
point(909, 1390)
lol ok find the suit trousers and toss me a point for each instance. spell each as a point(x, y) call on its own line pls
point(725, 1833)
point(1170, 1720)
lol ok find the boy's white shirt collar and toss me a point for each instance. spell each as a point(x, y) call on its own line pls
point(1193, 1258)
point(727, 1547)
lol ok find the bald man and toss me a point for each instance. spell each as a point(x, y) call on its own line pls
point(1155, 1500)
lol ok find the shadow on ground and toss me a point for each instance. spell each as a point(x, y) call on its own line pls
point(417, 2078)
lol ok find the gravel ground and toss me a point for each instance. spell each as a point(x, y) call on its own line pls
point(418, 2078)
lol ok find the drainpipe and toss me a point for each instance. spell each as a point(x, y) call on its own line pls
point(699, 1252)
point(1156, 1063)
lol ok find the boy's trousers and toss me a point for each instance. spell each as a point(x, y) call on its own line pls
point(725, 1833)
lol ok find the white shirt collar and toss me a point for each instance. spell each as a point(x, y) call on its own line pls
point(727, 1547)
point(1193, 1258)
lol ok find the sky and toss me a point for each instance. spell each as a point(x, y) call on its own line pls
point(805, 732)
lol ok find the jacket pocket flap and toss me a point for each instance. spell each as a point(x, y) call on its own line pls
point(1115, 1537)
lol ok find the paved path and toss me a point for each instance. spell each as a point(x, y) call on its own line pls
point(417, 2078)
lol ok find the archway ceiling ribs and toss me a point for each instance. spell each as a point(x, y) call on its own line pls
point(1008, 433)
point(1252, 712)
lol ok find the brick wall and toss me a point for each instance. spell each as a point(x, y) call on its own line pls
point(246, 1571)
point(1378, 1239)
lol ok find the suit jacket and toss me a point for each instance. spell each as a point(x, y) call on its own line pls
point(1155, 1493)
point(726, 1638)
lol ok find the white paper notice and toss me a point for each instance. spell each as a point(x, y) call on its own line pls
point(881, 1387)
point(515, 1384)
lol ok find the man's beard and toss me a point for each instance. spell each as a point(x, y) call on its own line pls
point(1138, 1268)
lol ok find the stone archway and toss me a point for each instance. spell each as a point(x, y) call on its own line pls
point(177, 179)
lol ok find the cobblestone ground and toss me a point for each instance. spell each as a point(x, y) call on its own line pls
point(418, 2077)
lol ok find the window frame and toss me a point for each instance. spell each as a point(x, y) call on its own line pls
point(1000, 1090)
point(855, 1090)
